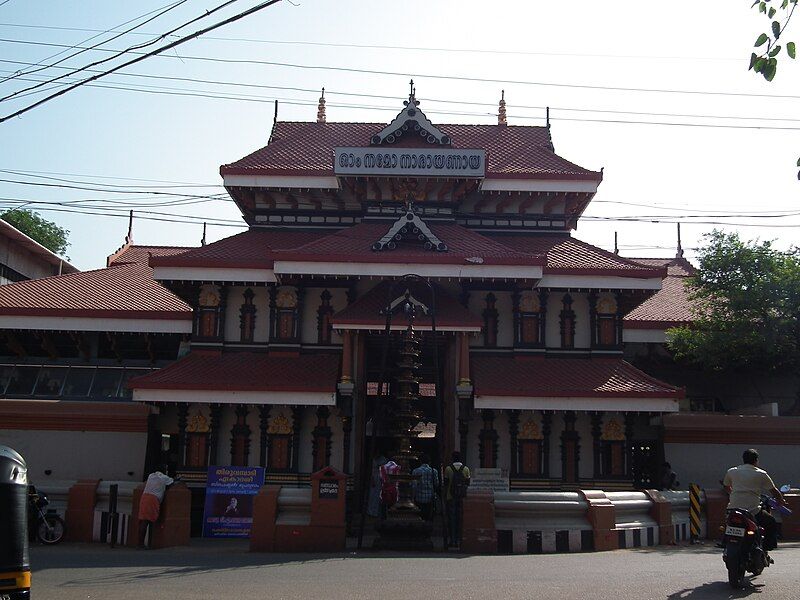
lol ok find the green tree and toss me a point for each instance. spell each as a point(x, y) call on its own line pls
point(746, 299)
point(47, 233)
point(765, 59)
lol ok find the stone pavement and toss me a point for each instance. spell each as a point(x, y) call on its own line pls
point(225, 569)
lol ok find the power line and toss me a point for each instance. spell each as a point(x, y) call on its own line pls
point(142, 57)
point(412, 48)
point(41, 173)
point(436, 100)
point(127, 50)
point(42, 66)
point(107, 190)
point(452, 77)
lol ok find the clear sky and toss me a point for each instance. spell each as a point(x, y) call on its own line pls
point(101, 135)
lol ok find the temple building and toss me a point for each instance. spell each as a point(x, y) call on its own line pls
point(270, 347)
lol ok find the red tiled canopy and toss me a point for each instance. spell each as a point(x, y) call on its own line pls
point(245, 371)
point(307, 148)
point(670, 306)
point(367, 311)
point(535, 377)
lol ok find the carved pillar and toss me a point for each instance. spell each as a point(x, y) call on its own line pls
point(263, 422)
point(629, 421)
point(298, 320)
point(517, 336)
point(593, 337)
point(463, 359)
point(272, 294)
point(215, 412)
point(346, 431)
point(240, 438)
point(297, 424)
point(183, 416)
point(513, 432)
point(570, 450)
point(620, 316)
point(347, 356)
point(597, 425)
point(547, 428)
point(321, 440)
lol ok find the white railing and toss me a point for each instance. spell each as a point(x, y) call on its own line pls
point(57, 492)
point(632, 509)
point(540, 511)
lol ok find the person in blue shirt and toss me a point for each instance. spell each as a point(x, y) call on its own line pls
point(426, 486)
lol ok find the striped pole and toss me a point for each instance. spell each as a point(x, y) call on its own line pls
point(694, 512)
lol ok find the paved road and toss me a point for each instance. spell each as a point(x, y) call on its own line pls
point(224, 569)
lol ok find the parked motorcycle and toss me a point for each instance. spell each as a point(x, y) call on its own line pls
point(743, 542)
point(45, 526)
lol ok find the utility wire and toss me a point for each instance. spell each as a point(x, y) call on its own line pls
point(42, 173)
point(127, 50)
point(142, 57)
point(451, 77)
point(434, 100)
point(42, 67)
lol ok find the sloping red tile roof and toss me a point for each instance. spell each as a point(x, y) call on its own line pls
point(538, 377)
point(245, 371)
point(670, 306)
point(141, 254)
point(368, 309)
point(354, 244)
point(567, 255)
point(125, 291)
point(307, 148)
point(678, 267)
point(250, 249)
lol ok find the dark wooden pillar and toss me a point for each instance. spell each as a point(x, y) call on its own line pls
point(297, 424)
point(593, 337)
point(183, 417)
point(240, 438)
point(361, 463)
point(347, 424)
point(597, 430)
point(447, 396)
point(570, 450)
point(543, 294)
point(487, 448)
point(547, 429)
point(629, 420)
point(215, 413)
point(513, 432)
point(263, 422)
point(321, 440)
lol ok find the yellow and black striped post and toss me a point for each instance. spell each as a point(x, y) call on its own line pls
point(694, 512)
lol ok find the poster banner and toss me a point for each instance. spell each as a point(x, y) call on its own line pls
point(230, 492)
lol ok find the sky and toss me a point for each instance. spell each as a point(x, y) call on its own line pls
point(734, 153)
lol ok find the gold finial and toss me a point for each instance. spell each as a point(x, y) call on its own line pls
point(321, 108)
point(501, 113)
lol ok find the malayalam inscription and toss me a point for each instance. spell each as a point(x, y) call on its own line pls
point(441, 162)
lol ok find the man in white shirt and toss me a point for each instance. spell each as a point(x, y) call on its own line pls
point(150, 502)
point(745, 484)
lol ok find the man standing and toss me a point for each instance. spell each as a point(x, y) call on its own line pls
point(425, 486)
point(150, 503)
point(456, 476)
point(745, 484)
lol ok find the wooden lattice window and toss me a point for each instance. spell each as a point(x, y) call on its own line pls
point(612, 449)
point(324, 314)
point(490, 321)
point(530, 446)
point(529, 319)
point(197, 440)
point(209, 311)
point(607, 322)
point(247, 317)
point(279, 441)
point(567, 317)
point(286, 315)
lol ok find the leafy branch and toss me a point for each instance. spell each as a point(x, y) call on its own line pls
point(766, 62)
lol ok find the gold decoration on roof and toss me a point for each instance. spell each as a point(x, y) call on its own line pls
point(613, 431)
point(501, 113)
point(530, 431)
point(279, 425)
point(607, 306)
point(529, 302)
point(209, 295)
point(321, 108)
point(198, 424)
point(286, 298)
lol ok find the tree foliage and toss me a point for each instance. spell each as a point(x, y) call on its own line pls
point(47, 233)
point(746, 297)
point(765, 59)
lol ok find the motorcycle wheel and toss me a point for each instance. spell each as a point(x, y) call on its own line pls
point(736, 577)
point(50, 529)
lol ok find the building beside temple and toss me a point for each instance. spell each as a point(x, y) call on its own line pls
point(267, 347)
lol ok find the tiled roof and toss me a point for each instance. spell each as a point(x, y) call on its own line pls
point(307, 148)
point(250, 249)
point(125, 291)
point(670, 306)
point(567, 255)
point(141, 254)
point(538, 377)
point(245, 371)
point(368, 309)
point(354, 244)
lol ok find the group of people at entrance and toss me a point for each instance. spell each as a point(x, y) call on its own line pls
point(426, 491)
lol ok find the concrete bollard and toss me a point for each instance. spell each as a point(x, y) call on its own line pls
point(479, 533)
point(265, 512)
point(602, 516)
point(79, 515)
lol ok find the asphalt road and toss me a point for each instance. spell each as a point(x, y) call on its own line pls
point(224, 569)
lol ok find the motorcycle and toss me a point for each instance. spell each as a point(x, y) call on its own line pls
point(45, 526)
point(743, 542)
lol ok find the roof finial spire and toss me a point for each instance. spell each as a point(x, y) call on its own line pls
point(501, 113)
point(679, 253)
point(412, 92)
point(616, 247)
point(129, 237)
point(321, 108)
point(203, 240)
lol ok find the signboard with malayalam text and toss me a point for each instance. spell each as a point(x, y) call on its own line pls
point(427, 162)
point(230, 492)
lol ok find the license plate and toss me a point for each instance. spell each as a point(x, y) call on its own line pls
point(734, 531)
